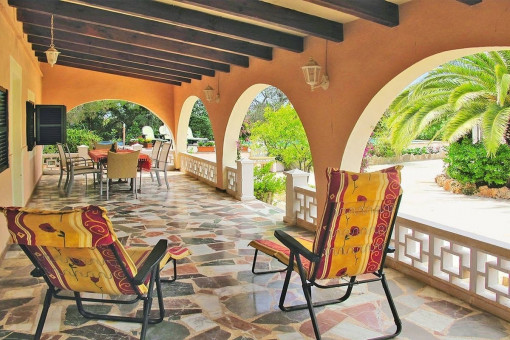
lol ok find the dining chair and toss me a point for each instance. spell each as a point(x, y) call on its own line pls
point(98, 146)
point(73, 166)
point(350, 243)
point(161, 164)
point(122, 165)
point(76, 251)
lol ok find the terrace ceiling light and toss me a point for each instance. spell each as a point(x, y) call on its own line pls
point(52, 53)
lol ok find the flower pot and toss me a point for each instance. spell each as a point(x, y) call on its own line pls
point(147, 145)
point(205, 148)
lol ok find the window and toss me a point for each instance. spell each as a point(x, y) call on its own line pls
point(4, 131)
point(30, 125)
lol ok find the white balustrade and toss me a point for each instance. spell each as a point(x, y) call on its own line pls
point(199, 168)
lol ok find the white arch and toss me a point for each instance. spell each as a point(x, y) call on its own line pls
point(235, 122)
point(181, 141)
point(373, 112)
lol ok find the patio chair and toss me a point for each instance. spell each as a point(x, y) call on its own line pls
point(161, 164)
point(352, 240)
point(108, 146)
point(122, 165)
point(73, 166)
point(76, 251)
point(148, 132)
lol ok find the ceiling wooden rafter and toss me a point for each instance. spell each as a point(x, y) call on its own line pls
point(178, 41)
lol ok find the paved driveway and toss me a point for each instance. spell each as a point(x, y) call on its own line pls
point(424, 199)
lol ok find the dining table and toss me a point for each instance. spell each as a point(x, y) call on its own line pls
point(100, 157)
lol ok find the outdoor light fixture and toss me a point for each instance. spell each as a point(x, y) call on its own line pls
point(209, 93)
point(52, 53)
point(312, 73)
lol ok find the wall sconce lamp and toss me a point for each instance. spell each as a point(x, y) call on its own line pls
point(209, 93)
point(52, 53)
point(312, 73)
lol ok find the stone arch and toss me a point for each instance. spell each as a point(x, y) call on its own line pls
point(235, 121)
point(373, 112)
point(182, 128)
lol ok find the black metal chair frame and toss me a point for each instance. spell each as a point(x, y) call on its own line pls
point(149, 268)
point(297, 250)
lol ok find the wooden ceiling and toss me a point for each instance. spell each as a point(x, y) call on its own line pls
point(176, 41)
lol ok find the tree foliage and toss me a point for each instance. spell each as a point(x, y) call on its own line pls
point(470, 91)
point(284, 137)
point(105, 118)
point(271, 97)
point(199, 122)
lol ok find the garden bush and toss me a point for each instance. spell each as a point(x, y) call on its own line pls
point(469, 163)
point(266, 182)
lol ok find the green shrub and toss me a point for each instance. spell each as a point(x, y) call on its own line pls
point(469, 163)
point(76, 137)
point(266, 182)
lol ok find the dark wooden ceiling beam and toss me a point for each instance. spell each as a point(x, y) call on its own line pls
point(206, 22)
point(35, 33)
point(132, 38)
point(179, 35)
point(149, 69)
point(155, 64)
point(379, 11)
point(270, 14)
point(470, 2)
point(99, 68)
point(116, 67)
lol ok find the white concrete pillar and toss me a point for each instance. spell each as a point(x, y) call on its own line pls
point(83, 151)
point(295, 178)
point(245, 179)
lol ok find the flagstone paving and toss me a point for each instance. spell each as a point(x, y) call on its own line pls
point(216, 296)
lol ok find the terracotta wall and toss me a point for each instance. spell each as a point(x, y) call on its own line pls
point(72, 87)
point(370, 57)
point(15, 53)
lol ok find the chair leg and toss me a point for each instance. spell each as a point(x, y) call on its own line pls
point(147, 303)
point(134, 188)
point(263, 272)
point(286, 283)
point(308, 297)
point(61, 174)
point(157, 177)
point(166, 180)
point(175, 273)
point(396, 318)
point(107, 189)
point(44, 313)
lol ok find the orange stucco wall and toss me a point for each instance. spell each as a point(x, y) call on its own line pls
point(16, 54)
point(359, 67)
point(71, 87)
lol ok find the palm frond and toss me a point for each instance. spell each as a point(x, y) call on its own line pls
point(494, 125)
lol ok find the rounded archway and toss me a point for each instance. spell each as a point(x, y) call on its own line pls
point(353, 153)
point(235, 121)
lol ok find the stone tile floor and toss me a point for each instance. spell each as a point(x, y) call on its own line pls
point(216, 296)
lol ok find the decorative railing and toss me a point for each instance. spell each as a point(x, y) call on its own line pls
point(199, 168)
point(51, 163)
point(470, 267)
point(306, 212)
point(231, 180)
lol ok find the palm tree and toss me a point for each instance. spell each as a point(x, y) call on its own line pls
point(466, 92)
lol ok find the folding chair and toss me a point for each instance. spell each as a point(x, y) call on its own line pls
point(77, 251)
point(161, 164)
point(352, 239)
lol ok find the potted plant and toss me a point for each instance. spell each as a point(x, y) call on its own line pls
point(206, 147)
point(147, 143)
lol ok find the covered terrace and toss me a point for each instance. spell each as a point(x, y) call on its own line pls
point(163, 54)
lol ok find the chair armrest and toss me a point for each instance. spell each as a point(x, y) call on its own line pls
point(294, 246)
point(154, 258)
